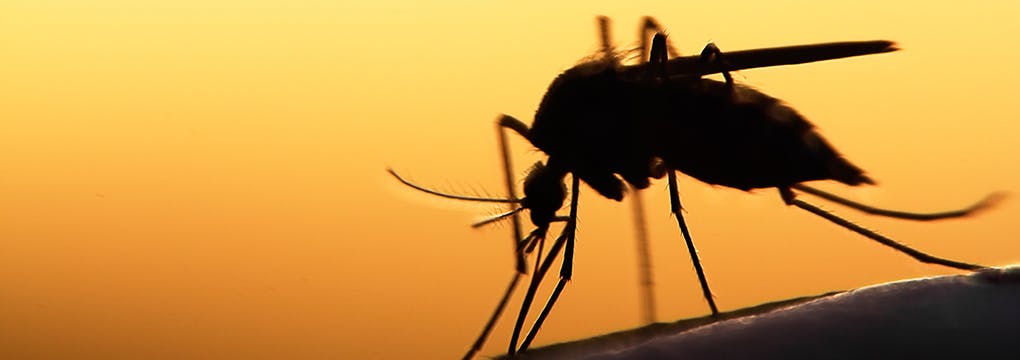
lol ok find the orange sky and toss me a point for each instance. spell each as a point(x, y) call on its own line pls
point(206, 179)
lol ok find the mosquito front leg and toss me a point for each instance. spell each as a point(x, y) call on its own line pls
point(529, 297)
point(537, 235)
point(790, 199)
point(505, 122)
point(480, 341)
point(676, 208)
point(567, 269)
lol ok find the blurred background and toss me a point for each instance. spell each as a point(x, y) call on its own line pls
point(205, 179)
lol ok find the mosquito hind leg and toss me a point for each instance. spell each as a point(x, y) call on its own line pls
point(676, 208)
point(983, 204)
point(790, 198)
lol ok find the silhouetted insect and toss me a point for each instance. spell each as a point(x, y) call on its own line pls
point(601, 121)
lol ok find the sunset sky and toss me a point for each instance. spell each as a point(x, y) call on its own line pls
point(206, 179)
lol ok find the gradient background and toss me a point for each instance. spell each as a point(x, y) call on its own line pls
point(205, 179)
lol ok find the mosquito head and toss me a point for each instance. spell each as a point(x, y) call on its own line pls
point(544, 193)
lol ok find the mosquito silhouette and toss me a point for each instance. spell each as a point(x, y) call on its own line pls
point(609, 124)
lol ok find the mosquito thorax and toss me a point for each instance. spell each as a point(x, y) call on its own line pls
point(574, 99)
point(592, 122)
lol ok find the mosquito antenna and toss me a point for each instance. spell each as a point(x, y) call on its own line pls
point(985, 203)
point(450, 196)
point(496, 218)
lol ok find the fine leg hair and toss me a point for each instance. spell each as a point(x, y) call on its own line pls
point(983, 204)
point(566, 271)
point(676, 208)
point(790, 198)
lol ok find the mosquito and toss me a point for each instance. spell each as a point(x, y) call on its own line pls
point(611, 125)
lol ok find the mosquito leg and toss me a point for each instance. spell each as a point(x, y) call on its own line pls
point(477, 346)
point(675, 207)
point(985, 203)
point(650, 27)
point(604, 36)
point(529, 297)
point(537, 235)
point(713, 57)
point(502, 124)
point(545, 312)
point(509, 122)
point(658, 54)
point(644, 253)
point(567, 269)
point(789, 197)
